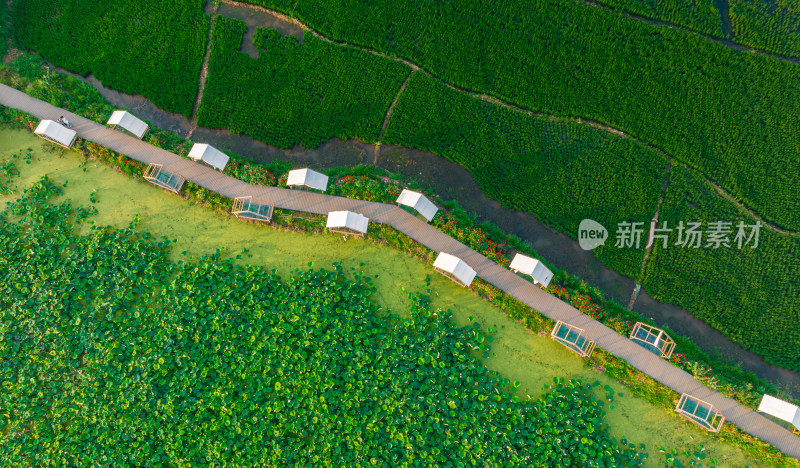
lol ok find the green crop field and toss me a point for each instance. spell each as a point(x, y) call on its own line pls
point(733, 115)
point(751, 295)
point(560, 172)
point(113, 352)
point(152, 48)
point(6, 33)
point(304, 93)
point(771, 26)
point(698, 15)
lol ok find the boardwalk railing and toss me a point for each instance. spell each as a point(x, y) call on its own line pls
point(748, 420)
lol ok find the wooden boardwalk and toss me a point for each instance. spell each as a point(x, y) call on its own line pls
point(204, 176)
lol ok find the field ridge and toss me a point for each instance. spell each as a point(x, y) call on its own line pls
point(214, 4)
point(389, 116)
point(651, 232)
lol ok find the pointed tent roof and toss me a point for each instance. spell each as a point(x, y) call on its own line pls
point(347, 219)
point(456, 267)
point(209, 155)
point(308, 178)
point(419, 202)
point(533, 267)
point(780, 409)
point(56, 132)
point(129, 122)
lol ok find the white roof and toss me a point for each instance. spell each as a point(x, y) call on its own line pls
point(419, 202)
point(347, 219)
point(209, 155)
point(456, 267)
point(55, 131)
point(530, 266)
point(308, 178)
point(780, 409)
point(129, 122)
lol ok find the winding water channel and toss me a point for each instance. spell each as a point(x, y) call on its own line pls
point(451, 182)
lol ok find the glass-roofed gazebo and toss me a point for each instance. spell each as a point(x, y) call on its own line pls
point(156, 175)
point(653, 339)
point(700, 412)
point(253, 210)
point(573, 338)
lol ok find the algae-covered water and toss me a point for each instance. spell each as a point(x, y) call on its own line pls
point(521, 355)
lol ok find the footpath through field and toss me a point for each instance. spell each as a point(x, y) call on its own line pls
point(204, 176)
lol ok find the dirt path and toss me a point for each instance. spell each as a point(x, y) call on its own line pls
point(213, 6)
point(388, 117)
point(722, 193)
point(651, 235)
point(394, 103)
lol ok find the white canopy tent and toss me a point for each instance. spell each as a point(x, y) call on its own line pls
point(781, 410)
point(532, 267)
point(307, 177)
point(455, 268)
point(55, 132)
point(129, 122)
point(209, 155)
point(347, 222)
point(419, 202)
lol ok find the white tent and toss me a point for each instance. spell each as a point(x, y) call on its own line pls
point(347, 222)
point(419, 202)
point(780, 409)
point(455, 268)
point(209, 155)
point(308, 178)
point(55, 132)
point(129, 122)
point(532, 267)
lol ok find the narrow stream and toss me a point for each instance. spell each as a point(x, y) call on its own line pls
point(724, 15)
point(451, 182)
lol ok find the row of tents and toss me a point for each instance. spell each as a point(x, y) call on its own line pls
point(129, 124)
point(61, 135)
point(349, 223)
